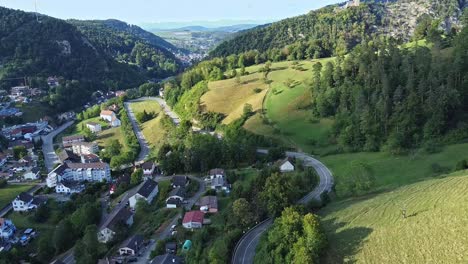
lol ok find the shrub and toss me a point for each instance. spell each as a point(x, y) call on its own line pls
point(258, 90)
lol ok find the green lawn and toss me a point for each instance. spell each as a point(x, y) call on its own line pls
point(372, 229)
point(105, 137)
point(78, 128)
point(8, 193)
point(394, 171)
point(155, 134)
point(148, 106)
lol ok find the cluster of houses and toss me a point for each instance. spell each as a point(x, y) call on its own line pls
point(24, 167)
point(23, 93)
point(80, 163)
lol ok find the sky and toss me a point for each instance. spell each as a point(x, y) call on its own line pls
point(140, 12)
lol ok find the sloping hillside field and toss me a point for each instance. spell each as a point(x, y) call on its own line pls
point(374, 230)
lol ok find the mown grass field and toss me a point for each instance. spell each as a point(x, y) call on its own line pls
point(229, 97)
point(286, 108)
point(8, 193)
point(394, 171)
point(153, 130)
point(106, 136)
point(372, 229)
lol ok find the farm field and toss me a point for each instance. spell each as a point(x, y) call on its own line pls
point(8, 193)
point(373, 230)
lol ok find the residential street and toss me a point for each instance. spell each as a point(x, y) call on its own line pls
point(245, 249)
point(145, 150)
point(50, 158)
point(145, 255)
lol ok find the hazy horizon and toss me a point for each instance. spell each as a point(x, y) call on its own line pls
point(183, 12)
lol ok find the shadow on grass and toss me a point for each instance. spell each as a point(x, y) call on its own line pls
point(250, 81)
point(100, 137)
point(344, 244)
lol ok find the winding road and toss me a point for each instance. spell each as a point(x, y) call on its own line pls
point(50, 157)
point(244, 251)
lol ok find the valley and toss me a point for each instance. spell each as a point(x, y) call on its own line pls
point(335, 136)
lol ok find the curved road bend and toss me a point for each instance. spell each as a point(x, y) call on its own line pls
point(245, 249)
point(50, 158)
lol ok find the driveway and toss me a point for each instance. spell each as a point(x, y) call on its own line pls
point(50, 158)
point(244, 251)
point(145, 150)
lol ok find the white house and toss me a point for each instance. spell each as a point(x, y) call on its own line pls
point(23, 202)
point(107, 230)
point(94, 127)
point(176, 197)
point(32, 175)
point(131, 246)
point(110, 117)
point(148, 168)
point(85, 148)
point(218, 182)
point(147, 191)
point(193, 219)
point(79, 172)
point(68, 187)
point(7, 228)
point(286, 165)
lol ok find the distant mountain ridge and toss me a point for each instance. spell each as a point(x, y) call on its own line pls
point(228, 29)
point(133, 45)
point(336, 24)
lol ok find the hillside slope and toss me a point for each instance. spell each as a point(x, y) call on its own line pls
point(373, 229)
point(132, 45)
point(48, 46)
point(333, 29)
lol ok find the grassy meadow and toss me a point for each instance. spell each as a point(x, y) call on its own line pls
point(228, 97)
point(372, 229)
point(153, 130)
point(8, 193)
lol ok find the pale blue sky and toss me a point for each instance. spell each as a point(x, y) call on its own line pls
point(150, 11)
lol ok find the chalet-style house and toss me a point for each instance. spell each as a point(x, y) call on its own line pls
point(146, 191)
point(110, 117)
point(69, 187)
point(94, 127)
point(179, 181)
point(286, 165)
point(218, 181)
point(148, 169)
point(176, 197)
point(85, 148)
point(131, 246)
point(108, 229)
point(208, 204)
point(193, 219)
point(24, 202)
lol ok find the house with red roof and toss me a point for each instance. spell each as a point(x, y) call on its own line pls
point(193, 219)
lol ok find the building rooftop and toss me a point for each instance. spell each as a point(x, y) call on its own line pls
point(193, 216)
point(147, 188)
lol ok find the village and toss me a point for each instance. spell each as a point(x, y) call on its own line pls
point(74, 166)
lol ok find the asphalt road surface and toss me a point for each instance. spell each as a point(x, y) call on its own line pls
point(245, 249)
point(145, 150)
point(50, 158)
